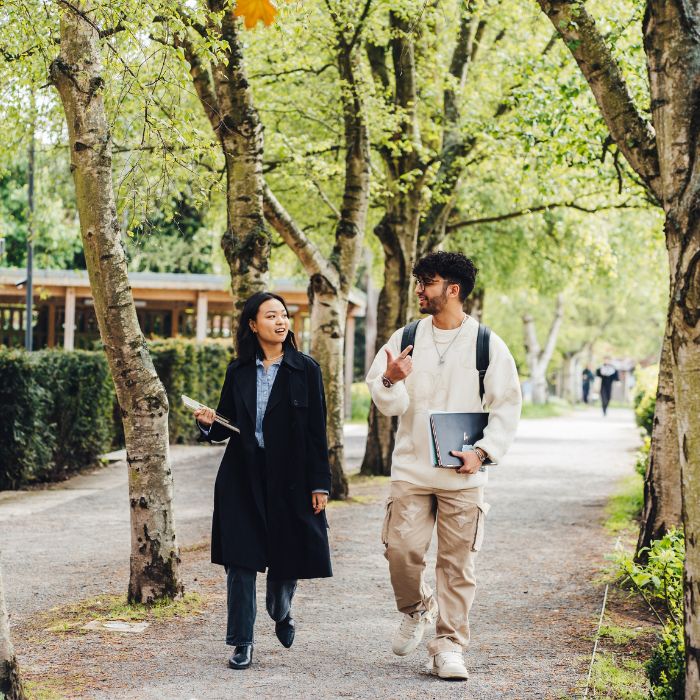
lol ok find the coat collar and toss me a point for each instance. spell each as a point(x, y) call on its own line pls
point(247, 380)
point(292, 358)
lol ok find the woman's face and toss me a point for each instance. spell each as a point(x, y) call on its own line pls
point(271, 323)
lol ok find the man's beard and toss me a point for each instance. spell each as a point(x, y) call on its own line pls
point(435, 305)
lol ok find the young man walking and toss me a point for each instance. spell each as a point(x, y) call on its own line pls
point(440, 375)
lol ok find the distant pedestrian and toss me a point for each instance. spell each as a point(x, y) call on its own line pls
point(272, 487)
point(586, 379)
point(608, 374)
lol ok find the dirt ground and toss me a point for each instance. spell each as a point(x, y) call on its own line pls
point(532, 623)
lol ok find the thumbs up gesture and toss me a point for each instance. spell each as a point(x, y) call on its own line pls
point(400, 367)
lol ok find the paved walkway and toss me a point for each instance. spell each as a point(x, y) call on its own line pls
point(535, 603)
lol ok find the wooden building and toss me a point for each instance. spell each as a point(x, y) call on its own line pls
point(168, 305)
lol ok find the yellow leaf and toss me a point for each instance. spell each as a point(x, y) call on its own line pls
point(253, 11)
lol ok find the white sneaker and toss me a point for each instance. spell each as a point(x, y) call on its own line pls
point(411, 631)
point(450, 666)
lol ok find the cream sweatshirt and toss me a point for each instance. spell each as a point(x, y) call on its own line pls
point(453, 386)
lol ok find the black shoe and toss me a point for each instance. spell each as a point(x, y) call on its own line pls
point(285, 631)
point(241, 658)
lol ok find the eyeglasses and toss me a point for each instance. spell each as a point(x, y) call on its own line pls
point(422, 283)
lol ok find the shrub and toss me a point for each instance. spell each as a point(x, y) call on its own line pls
point(79, 409)
point(642, 460)
point(666, 668)
point(660, 584)
point(58, 410)
point(645, 396)
point(26, 442)
point(197, 370)
point(361, 402)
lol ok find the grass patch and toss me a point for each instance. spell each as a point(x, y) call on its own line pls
point(73, 617)
point(618, 678)
point(53, 688)
point(618, 634)
point(625, 506)
point(351, 501)
point(358, 479)
point(545, 410)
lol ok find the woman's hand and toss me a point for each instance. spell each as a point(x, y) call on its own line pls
point(319, 501)
point(205, 416)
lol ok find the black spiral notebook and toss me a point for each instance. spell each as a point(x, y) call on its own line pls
point(451, 431)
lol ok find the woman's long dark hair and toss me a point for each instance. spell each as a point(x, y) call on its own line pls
point(246, 341)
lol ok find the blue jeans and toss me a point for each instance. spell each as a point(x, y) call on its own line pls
point(242, 606)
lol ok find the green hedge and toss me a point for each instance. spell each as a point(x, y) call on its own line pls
point(645, 396)
point(26, 443)
point(197, 370)
point(58, 410)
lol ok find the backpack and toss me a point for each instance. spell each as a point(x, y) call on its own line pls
point(483, 340)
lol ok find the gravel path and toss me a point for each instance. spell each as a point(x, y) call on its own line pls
point(535, 604)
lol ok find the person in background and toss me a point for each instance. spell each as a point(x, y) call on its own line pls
point(608, 374)
point(586, 379)
point(273, 483)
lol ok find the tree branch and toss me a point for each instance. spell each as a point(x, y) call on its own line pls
point(633, 134)
point(310, 256)
point(533, 210)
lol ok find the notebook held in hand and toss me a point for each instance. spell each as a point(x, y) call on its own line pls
point(453, 431)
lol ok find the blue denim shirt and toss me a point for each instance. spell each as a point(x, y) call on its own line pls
point(264, 381)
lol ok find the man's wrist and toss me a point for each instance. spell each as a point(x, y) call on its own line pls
point(481, 454)
point(387, 382)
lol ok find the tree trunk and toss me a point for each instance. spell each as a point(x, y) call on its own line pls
point(537, 357)
point(662, 484)
point(10, 683)
point(328, 314)
point(76, 73)
point(570, 377)
point(398, 234)
point(474, 304)
point(227, 98)
point(685, 331)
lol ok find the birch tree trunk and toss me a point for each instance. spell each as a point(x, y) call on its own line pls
point(665, 156)
point(538, 358)
point(227, 99)
point(10, 682)
point(143, 403)
point(331, 280)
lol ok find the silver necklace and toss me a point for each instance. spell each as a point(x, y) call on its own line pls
point(441, 357)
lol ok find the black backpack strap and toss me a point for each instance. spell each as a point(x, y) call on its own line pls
point(409, 335)
point(483, 340)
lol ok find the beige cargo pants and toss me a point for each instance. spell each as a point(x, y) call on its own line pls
point(411, 514)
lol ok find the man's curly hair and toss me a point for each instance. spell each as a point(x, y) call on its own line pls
point(453, 267)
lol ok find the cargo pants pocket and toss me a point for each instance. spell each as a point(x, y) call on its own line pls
point(387, 518)
point(478, 539)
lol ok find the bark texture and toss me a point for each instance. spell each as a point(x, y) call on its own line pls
point(10, 683)
point(76, 74)
point(662, 482)
point(538, 357)
point(666, 159)
point(227, 99)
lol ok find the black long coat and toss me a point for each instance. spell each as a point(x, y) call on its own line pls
point(276, 529)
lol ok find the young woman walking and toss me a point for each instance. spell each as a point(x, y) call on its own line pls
point(273, 483)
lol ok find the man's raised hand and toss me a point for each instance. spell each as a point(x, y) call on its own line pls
point(400, 367)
